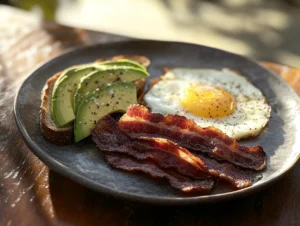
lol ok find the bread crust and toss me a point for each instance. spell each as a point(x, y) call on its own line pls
point(59, 136)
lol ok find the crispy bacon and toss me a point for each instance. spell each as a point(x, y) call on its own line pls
point(167, 155)
point(140, 122)
point(237, 177)
point(164, 153)
point(176, 180)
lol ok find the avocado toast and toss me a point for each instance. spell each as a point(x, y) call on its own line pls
point(57, 111)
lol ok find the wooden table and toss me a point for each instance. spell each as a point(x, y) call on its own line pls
point(32, 194)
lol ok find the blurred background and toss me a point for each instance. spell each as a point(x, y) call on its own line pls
point(266, 30)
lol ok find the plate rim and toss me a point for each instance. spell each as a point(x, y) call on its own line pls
point(62, 169)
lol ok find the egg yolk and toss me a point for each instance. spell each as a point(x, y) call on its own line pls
point(208, 101)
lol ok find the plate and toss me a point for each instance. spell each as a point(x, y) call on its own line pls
point(83, 163)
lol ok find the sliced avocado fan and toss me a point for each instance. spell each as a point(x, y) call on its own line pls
point(96, 79)
point(62, 102)
point(114, 97)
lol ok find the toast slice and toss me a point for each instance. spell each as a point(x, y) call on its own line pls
point(64, 136)
point(59, 136)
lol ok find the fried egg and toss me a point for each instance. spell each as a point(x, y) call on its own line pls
point(222, 99)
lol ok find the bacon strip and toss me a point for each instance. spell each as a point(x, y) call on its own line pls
point(237, 177)
point(140, 122)
point(167, 155)
point(176, 180)
point(164, 153)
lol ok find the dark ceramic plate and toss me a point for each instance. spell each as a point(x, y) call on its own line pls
point(84, 164)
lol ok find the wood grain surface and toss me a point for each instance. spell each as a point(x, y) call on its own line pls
point(31, 194)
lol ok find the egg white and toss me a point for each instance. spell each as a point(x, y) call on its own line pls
point(252, 111)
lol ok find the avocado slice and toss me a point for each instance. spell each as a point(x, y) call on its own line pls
point(96, 79)
point(63, 94)
point(111, 63)
point(114, 97)
point(62, 104)
point(123, 62)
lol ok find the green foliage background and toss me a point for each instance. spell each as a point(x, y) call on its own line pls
point(48, 6)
